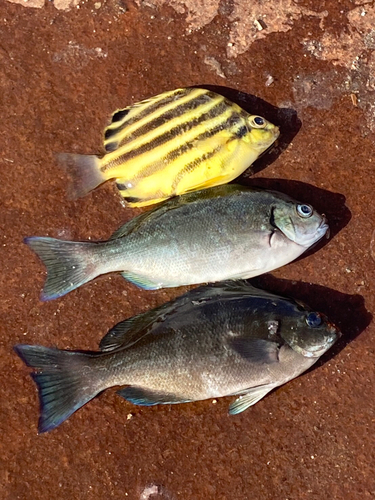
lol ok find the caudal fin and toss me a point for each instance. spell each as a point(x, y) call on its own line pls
point(84, 171)
point(69, 264)
point(63, 380)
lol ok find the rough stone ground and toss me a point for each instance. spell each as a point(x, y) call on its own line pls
point(65, 66)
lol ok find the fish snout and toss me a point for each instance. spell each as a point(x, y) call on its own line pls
point(334, 332)
point(324, 226)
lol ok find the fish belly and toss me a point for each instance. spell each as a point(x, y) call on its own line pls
point(197, 260)
point(187, 375)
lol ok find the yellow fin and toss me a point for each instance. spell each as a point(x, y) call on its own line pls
point(209, 183)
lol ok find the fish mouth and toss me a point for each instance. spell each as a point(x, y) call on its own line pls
point(314, 354)
point(324, 225)
point(321, 230)
point(333, 334)
point(275, 131)
point(270, 143)
point(334, 331)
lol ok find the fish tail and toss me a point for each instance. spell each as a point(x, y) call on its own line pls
point(64, 380)
point(84, 171)
point(69, 264)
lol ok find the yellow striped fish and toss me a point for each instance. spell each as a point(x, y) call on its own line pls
point(179, 141)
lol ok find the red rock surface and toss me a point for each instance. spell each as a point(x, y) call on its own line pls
point(62, 74)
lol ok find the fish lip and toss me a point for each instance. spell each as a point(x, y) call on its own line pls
point(275, 130)
point(335, 334)
point(333, 330)
point(318, 352)
point(323, 229)
point(320, 232)
point(308, 354)
point(324, 224)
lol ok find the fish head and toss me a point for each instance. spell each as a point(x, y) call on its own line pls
point(310, 333)
point(262, 133)
point(299, 222)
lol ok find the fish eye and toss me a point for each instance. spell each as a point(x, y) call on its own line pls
point(304, 210)
point(313, 319)
point(258, 122)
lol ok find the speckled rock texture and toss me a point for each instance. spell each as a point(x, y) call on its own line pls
point(65, 67)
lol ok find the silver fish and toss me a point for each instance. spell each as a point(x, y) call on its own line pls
point(226, 232)
point(214, 341)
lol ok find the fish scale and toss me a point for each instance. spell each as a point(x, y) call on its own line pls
point(213, 341)
point(178, 119)
point(173, 143)
point(161, 143)
point(226, 232)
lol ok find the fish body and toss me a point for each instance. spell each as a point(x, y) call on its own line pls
point(214, 341)
point(226, 232)
point(179, 141)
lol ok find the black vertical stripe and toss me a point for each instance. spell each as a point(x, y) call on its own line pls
point(174, 132)
point(178, 94)
point(169, 114)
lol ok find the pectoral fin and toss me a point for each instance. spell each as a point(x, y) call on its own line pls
point(249, 399)
point(255, 350)
point(143, 397)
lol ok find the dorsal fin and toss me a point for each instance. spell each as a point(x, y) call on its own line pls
point(235, 287)
point(130, 226)
point(131, 330)
point(176, 202)
point(156, 212)
point(124, 333)
point(110, 132)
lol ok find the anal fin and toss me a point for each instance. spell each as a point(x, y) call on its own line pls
point(141, 281)
point(216, 181)
point(144, 397)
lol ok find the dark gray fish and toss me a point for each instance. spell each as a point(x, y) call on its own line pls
point(214, 341)
point(226, 232)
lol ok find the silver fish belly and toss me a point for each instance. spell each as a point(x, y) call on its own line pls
point(226, 232)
